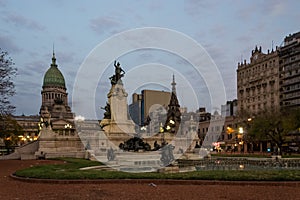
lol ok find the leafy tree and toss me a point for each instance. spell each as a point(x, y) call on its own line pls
point(274, 125)
point(8, 126)
point(9, 130)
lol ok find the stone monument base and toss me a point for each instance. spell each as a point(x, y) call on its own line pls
point(113, 127)
point(118, 132)
point(51, 145)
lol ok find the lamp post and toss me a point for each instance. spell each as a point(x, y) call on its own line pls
point(162, 131)
point(240, 138)
point(68, 127)
point(142, 131)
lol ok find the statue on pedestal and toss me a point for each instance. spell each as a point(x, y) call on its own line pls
point(107, 113)
point(116, 123)
point(119, 73)
point(46, 118)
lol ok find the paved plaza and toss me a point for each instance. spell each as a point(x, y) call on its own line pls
point(13, 189)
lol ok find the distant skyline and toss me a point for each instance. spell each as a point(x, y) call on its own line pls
point(228, 30)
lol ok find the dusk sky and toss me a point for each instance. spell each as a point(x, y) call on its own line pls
point(228, 30)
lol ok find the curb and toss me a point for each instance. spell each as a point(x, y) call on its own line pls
point(158, 182)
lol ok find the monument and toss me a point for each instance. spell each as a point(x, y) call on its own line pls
point(116, 123)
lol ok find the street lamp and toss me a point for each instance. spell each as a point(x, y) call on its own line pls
point(68, 126)
point(229, 130)
point(241, 130)
point(240, 137)
point(162, 131)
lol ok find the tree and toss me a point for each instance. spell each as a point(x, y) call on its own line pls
point(8, 126)
point(274, 125)
point(7, 86)
point(9, 130)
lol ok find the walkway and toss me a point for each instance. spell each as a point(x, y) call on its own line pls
point(14, 189)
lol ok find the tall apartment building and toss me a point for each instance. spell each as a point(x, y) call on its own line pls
point(229, 109)
point(147, 102)
point(258, 82)
point(290, 71)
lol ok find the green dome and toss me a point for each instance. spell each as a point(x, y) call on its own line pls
point(53, 76)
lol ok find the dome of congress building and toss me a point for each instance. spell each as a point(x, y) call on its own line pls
point(53, 77)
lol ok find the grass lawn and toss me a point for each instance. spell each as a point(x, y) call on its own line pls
point(70, 170)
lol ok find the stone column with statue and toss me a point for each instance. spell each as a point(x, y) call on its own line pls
point(116, 121)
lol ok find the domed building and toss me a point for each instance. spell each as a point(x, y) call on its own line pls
point(54, 93)
point(58, 136)
point(55, 101)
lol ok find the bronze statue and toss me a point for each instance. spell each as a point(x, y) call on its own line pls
point(107, 113)
point(46, 118)
point(119, 73)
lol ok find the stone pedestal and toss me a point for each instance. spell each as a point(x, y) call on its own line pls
point(120, 121)
point(52, 145)
point(119, 127)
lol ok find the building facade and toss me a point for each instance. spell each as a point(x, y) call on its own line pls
point(148, 104)
point(30, 126)
point(55, 101)
point(258, 82)
point(290, 71)
point(229, 109)
point(54, 105)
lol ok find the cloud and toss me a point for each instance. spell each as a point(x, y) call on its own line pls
point(196, 7)
point(245, 38)
point(102, 24)
point(8, 45)
point(155, 5)
point(34, 86)
point(27, 103)
point(3, 3)
point(65, 57)
point(261, 9)
point(215, 51)
point(65, 40)
point(38, 67)
point(21, 21)
point(276, 8)
point(218, 30)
